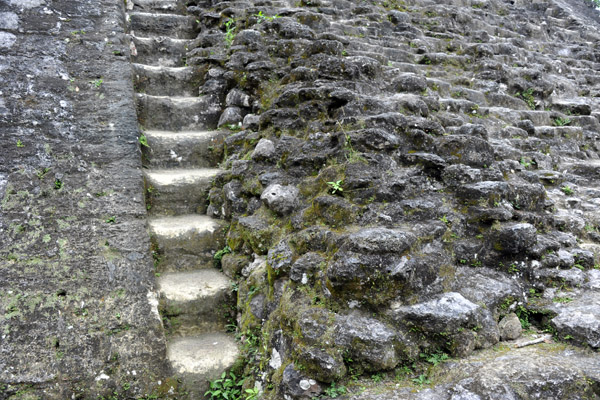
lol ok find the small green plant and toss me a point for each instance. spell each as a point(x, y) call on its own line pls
point(344, 53)
point(219, 254)
point(58, 184)
point(335, 391)
point(421, 380)
point(562, 300)
point(523, 315)
point(97, 83)
point(262, 17)
point(229, 32)
point(226, 387)
point(561, 121)
point(444, 219)
point(434, 358)
point(252, 394)
point(513, 269)
point(351, 154)
point(42, 173)
point(143, 140)
point(336, 187)
point(567, 190)
point(403, 372)
point(110, 220)
point(19, 143)
point(376, 378)
point(527, 96)
point(525, 163)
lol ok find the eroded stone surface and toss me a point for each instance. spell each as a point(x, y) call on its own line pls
point(77, 281)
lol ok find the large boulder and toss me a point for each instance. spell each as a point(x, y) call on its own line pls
point(465, 149)
point(514, 238)
point(462, 324)
point(281, 199)
point(369, 342)
point(580, 320)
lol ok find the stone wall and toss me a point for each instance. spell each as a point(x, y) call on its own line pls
point(408, 185)
point(409, 182)
point(77, 312)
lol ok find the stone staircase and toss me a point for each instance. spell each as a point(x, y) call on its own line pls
point(180, 167)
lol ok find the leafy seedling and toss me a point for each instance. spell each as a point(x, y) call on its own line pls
point(143, 140)
point(336, 187)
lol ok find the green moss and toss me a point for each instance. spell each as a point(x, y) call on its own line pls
point(258, 236)
point(252, 186)
point(448, 274)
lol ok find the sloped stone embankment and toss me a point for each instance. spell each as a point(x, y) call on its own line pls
point(409, 182)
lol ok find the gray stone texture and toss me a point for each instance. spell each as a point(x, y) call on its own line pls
point(79, 313)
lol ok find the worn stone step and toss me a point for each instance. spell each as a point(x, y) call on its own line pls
point(142, 24)
point(381, 53)
point(567, 132)
point(195, 301)
point(186, 242)
point(496, 99)
point(167, 81)
point(160, 51)
point(161, 6)
point(179, 191)
point(200, 359)
point(169, 149)
point(177, 113)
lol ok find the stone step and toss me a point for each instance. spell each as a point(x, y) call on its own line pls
point(179, 191)
point(167, 81)
point(568, 132)
point(186, 242)
point(160, 51)
point(142, 24)
point(196, 300)
point(200, 359)
point(183, 149)
point(383, 53)
point(161, 6)
point(177, 113)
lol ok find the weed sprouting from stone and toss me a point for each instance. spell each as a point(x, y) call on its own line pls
point(527, 96)
point(230, 31)
point(143, 140)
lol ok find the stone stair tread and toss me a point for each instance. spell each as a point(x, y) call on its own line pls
point(179, 191)
point(179, 113)
point(160, 68)
point(180, 99)
point(153, 24)
point(179, 225)
point(202, 357)
point(159, 51)
point(161, 80)
point(192, 285)
point(177, 135)
point(183, 149)
point(165, 6)
point(181, 176)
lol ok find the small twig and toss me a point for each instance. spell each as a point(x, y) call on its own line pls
point(545, 338)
